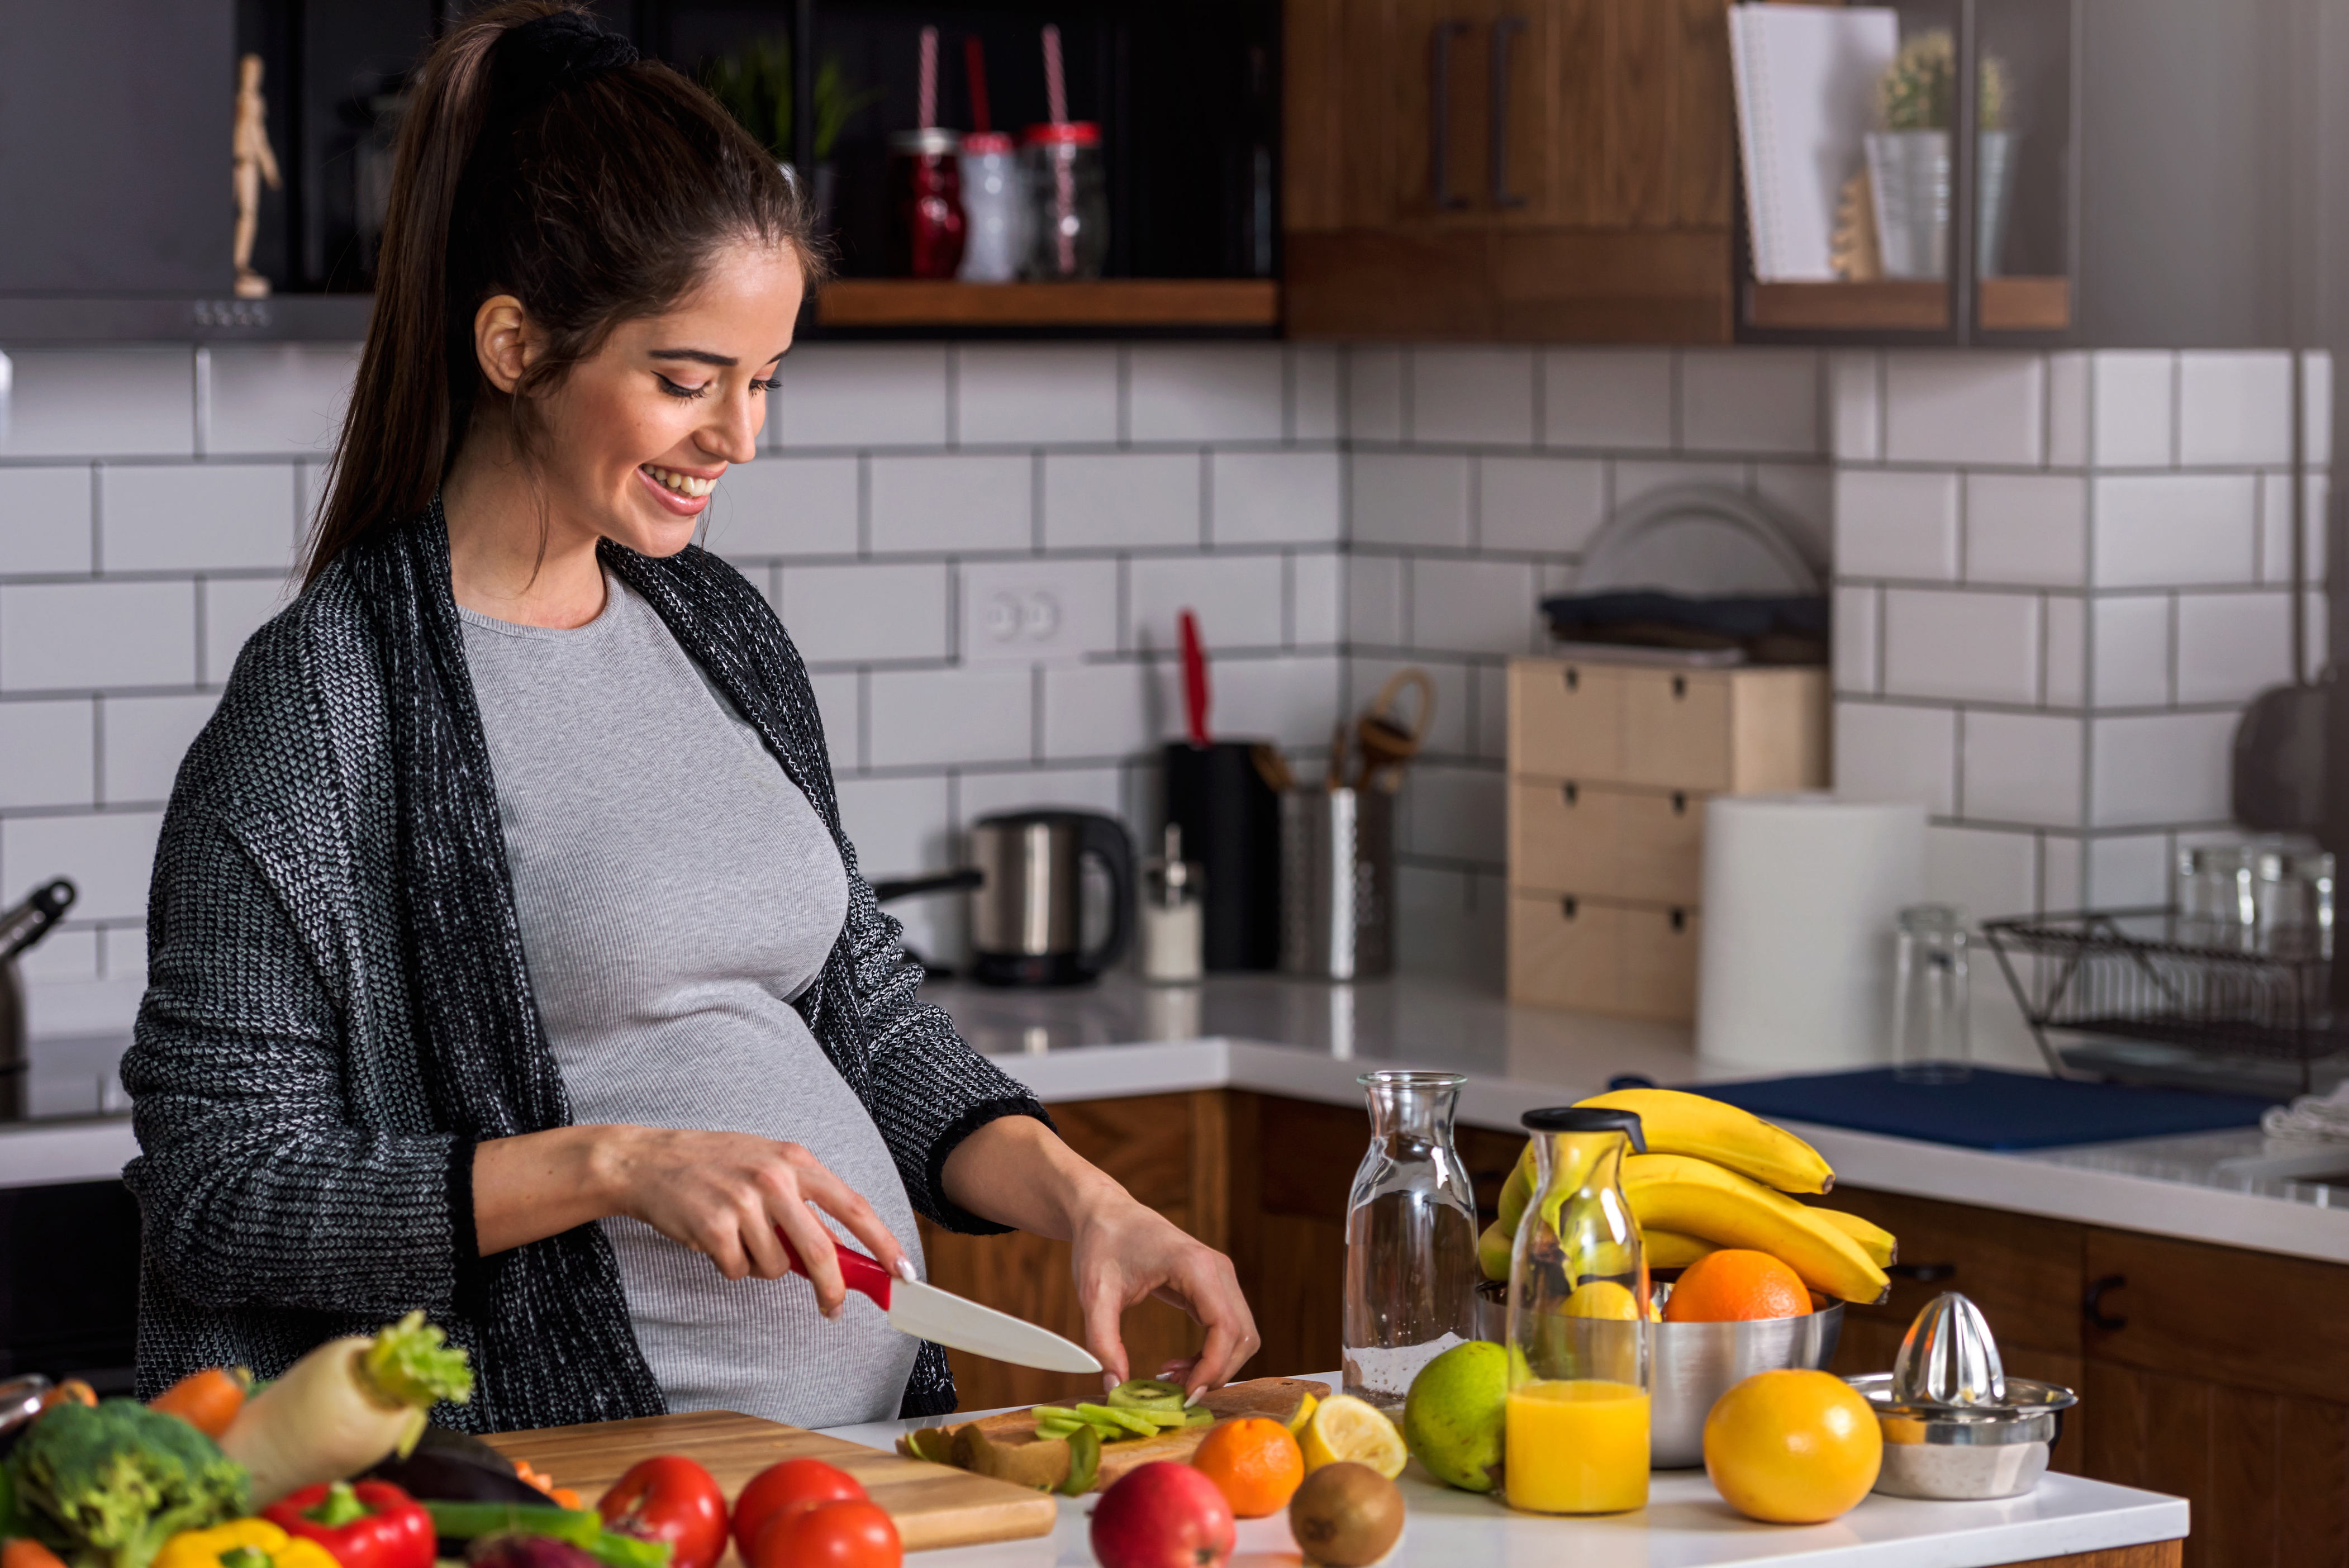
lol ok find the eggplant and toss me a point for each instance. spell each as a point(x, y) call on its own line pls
point(448, 1466)
point(513, 1551)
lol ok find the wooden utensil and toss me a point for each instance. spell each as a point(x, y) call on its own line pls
point(1384, 742)
point(1274, 1396)
point(932, 1505)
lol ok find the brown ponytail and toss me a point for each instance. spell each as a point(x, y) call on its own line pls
point(539, 158)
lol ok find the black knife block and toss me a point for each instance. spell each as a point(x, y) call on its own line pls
point(1231, 829)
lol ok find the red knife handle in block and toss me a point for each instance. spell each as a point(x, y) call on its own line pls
point(857, 1271)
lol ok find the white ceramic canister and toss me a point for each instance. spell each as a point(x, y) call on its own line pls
point(995, 209)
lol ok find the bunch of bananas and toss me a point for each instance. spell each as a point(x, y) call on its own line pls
point(1715, 1177)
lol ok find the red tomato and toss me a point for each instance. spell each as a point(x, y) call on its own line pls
point(669, 1499)
point(795, 1484)
point(830, 1535)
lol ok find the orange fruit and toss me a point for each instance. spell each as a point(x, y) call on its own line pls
point(1737, 1286)
point(1254, 1462)
point(1792, 1447)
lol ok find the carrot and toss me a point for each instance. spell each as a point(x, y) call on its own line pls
point(72, 1391)
point(207, 1401)
point(24, 1552)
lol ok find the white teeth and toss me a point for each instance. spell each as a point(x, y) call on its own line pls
point(683, 483)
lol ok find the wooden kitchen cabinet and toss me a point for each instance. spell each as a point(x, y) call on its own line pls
point(1520, 170)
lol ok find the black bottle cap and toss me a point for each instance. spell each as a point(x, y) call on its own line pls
point(1587, 1119)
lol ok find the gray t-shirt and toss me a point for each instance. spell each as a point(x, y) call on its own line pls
point(676, 890)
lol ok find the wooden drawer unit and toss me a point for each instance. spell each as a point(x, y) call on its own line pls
point(1572, 838)
point(1565, 719)
point(1631, 960)
point(1676, 730)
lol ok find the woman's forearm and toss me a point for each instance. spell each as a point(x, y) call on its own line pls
point(536, 1185)
point(1016, 1171)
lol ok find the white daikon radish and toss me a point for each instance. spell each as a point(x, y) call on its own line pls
point(346, 1406)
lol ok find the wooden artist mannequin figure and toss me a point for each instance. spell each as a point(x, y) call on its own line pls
point(254, 163)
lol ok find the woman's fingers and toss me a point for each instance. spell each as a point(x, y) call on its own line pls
point(814, 1245)
point(1104, 1304)
point(848, 1206)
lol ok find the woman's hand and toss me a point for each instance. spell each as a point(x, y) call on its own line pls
point(721, 1194)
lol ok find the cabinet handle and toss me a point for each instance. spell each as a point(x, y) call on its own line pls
point(1569, 906)
point(1439, 117)
point(1680, 919)
point(1572, 678)
point(1573, 793)
point(1680, 804)
point(1679, 687)
point(2092, 1303)
point(1504, 29)
point(1923, 1274)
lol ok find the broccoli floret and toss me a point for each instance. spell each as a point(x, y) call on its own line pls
point(105, 1487)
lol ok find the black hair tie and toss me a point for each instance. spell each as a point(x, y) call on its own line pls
point(541, 58)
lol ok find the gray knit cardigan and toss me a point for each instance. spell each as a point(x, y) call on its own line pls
point(338, 1010)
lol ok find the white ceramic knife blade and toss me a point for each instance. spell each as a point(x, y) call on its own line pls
point(929, 1312)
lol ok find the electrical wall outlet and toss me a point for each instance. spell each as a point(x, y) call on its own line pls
point(1034, 611)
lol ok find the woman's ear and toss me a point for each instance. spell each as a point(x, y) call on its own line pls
point(504, 341)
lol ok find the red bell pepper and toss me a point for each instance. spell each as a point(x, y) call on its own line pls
point(371, 1525)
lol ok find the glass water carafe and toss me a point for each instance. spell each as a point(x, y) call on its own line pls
point(1411, 1238)
point(1577, 1415)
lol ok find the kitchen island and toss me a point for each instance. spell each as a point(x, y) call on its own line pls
point(1685, 1525)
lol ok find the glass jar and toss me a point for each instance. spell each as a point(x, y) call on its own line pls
point(1068, 201)
point(994, 209)
point(1933, 1039)
point(1411, 1238)
point(1576, 1423)
point(926, 215)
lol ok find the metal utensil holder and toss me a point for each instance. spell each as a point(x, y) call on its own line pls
point(1337, 883)
point(2125, 973)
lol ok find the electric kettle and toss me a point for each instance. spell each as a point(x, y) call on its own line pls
point(1026, 914)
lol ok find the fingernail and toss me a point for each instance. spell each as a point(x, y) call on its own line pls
point(1109, 1382)
point(906, 1271)
point(1193, 1397)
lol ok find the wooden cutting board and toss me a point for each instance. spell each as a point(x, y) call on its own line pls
point(1274, 1396)
point(933, 1505)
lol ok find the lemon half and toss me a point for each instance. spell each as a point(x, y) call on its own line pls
point(1343, 1428)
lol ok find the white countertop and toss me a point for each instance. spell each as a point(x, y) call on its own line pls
point(1684, 1525)
point(1308, 1040)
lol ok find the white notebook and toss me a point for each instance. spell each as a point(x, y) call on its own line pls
point(1806, 79)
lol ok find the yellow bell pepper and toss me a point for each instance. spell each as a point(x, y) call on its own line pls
point(242, 1543)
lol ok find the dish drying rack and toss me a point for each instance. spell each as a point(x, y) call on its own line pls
point(2127, 974)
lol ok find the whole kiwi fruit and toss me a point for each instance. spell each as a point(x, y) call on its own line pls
point(1346, 1516)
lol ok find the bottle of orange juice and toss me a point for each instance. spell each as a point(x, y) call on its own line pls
point(1577, 1417)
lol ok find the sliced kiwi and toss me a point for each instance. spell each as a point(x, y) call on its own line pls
point(1084, 1462)
point(935, 1443)
point(1147, 1393)
point(1130, 1421)
point(1199, 1415)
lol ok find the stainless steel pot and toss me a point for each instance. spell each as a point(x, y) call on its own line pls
point(1027, 912)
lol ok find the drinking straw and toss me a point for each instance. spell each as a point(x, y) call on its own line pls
point(1056, 86)
point(1064, 178)
point(929, 88)
point(974, 71)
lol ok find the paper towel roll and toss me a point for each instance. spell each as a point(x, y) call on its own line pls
point(1794, 965)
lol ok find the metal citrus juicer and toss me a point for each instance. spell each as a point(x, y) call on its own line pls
point(1955, 1425)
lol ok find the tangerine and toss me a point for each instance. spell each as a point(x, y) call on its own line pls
point(1792, 1447)
point(1254, 1462)
point(1737, 1286)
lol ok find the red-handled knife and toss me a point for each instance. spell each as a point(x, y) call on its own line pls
point(1194, 678)
point(926, 1312)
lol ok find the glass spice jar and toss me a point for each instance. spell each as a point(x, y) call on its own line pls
point(994, 207)
point(925, 214)
point(1068, 201)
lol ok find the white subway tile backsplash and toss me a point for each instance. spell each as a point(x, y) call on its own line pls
point(1887, 752)
point(1761, 401)
point(838, 700)
point(277, 399)
point(1491, 686)
point(2130, 637)
point(1418, 498)
point(2066, 681)
point(143, 739)
point(1276, 498)
point(2063, 872)
point(2275, 527)
point(2160, 768)
point(44, 520)
point(851, 613)
point(1033, 394)
point(861, 395)
point(1455, 813)
point(1316, 600)
point(101, 403)
point(2133, 408)
point(1316, 401)
point(1451, 924)
point(1896, 524)
point(1374, 393)
point(899, 825)
point(1853, 636)
point(1638, 477)
point(1374, 600)
point(1983, 871)
point(1479, 397)
point(2175, 530)
point(1965, 406)
point(1969, 646)
point(47, 752)
point(109, 856)
point(1289, 702)
point(2315, 646)
point(2231, 646)
point(2068, 378)
point(1078, 598)
point(2235, 408)
point(2026, 528)
point(85, 636)
point(62, 955)
point(2131, 871)
point(1550, 505)
point(1111, 500)
point(952, 503)
point(1855, 405)
point(1473, 607)
point(2022, 768)
point(1108, 709)
point(979, 713)
point(234, 609)
point(2316, 406)
point(1614, 398)
point(1101, 789)
point(196, 517)
point(779, 506)
point(1205, 393)
point(1238, 600)
point(1802, 496)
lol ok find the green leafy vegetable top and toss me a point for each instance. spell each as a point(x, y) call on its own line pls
point(105, 1487)
point(412, 1363)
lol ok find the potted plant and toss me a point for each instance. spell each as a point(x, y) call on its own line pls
point(754, 83)
point(1908, 160)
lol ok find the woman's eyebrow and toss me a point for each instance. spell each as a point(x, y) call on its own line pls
point(697, 356)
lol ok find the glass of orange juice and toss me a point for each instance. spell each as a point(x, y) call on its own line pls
point(1577, 1415)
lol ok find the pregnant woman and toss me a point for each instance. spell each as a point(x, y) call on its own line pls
point(506, 956)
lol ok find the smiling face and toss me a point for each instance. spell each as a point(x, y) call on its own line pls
point(635, 436)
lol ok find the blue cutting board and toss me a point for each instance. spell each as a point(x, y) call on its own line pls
point(1990, 1109)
